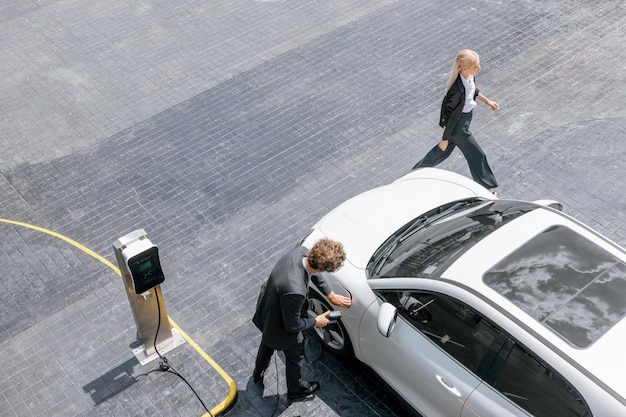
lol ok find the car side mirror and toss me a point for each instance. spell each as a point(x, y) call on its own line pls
point(387, 316)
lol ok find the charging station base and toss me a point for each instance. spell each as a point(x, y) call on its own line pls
point(140, 352)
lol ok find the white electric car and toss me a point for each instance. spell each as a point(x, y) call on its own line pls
point(469, 305)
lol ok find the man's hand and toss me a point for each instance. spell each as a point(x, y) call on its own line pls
point(322, 319)
point(339, 300)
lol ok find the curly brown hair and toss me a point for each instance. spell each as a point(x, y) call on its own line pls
point(326, 255)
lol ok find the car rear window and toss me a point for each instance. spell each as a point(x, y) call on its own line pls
point(566, 282)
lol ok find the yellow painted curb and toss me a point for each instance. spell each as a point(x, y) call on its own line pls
point(232, 394)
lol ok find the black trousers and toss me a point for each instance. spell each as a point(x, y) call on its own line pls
point(293, 362)
point(476, 159)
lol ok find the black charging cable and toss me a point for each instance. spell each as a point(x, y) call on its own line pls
point(309, 339)
point(165, 366)
point(312, 341)
point(308, 335)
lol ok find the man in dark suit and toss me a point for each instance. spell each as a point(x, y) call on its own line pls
point(281, 312)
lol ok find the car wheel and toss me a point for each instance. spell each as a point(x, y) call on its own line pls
point(333, 337)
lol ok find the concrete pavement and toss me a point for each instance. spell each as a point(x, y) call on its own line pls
point(225, 129)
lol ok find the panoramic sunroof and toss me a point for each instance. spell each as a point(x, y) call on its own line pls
point(571, 285)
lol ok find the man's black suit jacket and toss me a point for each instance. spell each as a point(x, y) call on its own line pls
point(281, 311)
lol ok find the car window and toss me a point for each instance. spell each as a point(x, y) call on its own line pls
point(489, 352)
point(534, 386)
point(430, 247)
point(568, 283)
point(453, 326)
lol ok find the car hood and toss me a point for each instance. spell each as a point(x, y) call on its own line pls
point(364, 222)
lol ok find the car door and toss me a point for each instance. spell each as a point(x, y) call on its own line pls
point(520, 380)
point(434, 352)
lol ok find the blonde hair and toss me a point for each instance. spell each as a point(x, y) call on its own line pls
point(464, 59)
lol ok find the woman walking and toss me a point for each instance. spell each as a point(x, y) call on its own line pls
point(455, 119)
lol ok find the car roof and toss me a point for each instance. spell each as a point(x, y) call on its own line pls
point(572, 293)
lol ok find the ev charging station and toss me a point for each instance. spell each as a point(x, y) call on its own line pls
point(139, 263)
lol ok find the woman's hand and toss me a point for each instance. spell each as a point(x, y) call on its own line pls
point(494, 106)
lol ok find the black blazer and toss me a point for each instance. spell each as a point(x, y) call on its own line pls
point(452, 106)
point(281, 311)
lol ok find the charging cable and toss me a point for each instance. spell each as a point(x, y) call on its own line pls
point(309, 339)
point(312, 340)
point(165, 366)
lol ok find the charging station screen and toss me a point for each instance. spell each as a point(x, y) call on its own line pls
point(145, 269)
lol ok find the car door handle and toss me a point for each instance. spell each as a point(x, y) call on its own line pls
point(447, 385)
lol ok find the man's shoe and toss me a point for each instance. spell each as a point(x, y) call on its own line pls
point(258, 377)
point(306, 389)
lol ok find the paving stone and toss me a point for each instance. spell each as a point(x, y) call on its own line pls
point(226, 129)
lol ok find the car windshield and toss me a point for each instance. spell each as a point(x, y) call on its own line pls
point(429, 244)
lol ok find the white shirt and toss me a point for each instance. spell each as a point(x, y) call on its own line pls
point(306, 269)
point(470, 90)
